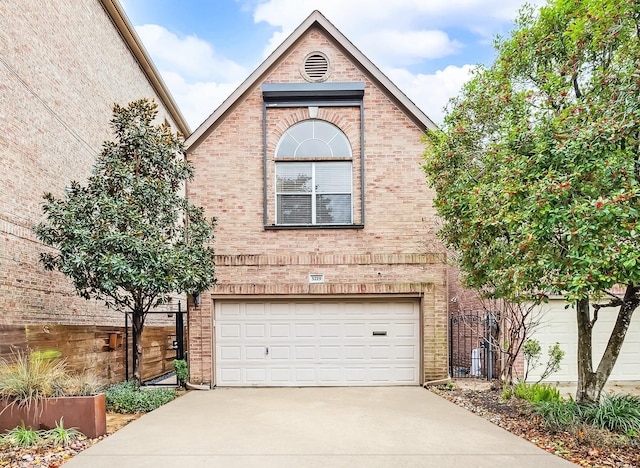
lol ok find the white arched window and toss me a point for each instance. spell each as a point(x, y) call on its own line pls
point(313, 175)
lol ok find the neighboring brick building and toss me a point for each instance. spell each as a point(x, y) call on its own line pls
point(313, 170)
point(62, 67)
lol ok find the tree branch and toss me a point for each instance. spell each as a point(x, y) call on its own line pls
point(614, 302)
point(576, 87)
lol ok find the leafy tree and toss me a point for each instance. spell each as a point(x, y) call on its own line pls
point(128, 237)
point(537, 168)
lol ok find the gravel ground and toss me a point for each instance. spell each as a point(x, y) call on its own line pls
point(588, 447)
point(53, 457)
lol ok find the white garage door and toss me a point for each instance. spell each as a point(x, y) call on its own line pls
point(559, 325)
point(317, 343)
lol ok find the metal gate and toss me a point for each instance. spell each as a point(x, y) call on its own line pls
point(178, 343)
point(473, 344)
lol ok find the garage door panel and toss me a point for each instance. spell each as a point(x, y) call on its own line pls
point(354, 352)
point(230, 376)
point(404, 374)
point(280, 352)
point(330, 375)
point(305, 374)
point(406, 330)
point(230, 353)
point(329, 352)
point(381, 352)
point(381, 374)
point(559, 325)
point(317, 343)
point(253, 310)
point(304, 352)
point(355, 330)
point(230, 330)
point(255, 352)
point(305, 330)
point(406, 352)
point(355, 375)
point(256, 375)
point(280, 376)
point(255, 330)
point(329, 330)
point(279, 330)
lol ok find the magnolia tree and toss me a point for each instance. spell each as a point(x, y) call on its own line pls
point(537, 169)
point(129, 237)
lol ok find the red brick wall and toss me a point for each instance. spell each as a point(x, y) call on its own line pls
point(254, 262)
point(64, 66)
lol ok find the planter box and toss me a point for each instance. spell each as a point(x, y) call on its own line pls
point(88, 414)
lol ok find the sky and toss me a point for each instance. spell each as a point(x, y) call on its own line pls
point(204, 49)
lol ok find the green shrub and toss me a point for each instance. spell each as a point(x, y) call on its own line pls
point(126, 397)
point(618, 413)
point(559, 415)
point(81, 384)
point(28, 379)
point(537, 392)
point(60, 435)
point(507, 392)
point(182, 371)
point(532, 352)
point(22, 437)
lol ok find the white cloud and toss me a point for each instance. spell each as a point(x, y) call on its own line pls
point(431, 92)
point(199, 78)
point(367, 22)
point(408, 47)
point(393, 35)
point(197, 100)
point(193, 57)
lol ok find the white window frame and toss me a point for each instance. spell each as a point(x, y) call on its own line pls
point(313, 193)
point(313, 160)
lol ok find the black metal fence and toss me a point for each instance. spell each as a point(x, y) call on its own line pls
point(178, 344)
point(473, 340)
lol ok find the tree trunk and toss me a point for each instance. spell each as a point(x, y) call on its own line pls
point(138, 324)
point(586, 384)
point(590, 383)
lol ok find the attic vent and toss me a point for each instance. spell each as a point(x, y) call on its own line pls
point(316, 67)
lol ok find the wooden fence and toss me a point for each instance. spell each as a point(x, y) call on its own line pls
point(99, 349)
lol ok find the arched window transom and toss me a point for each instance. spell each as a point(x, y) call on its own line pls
point(314, 183)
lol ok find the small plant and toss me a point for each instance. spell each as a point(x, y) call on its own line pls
point(618, 413)
point(182, 371)
point(60, 435)
point(126, 397)
point(22, 436)
point(559, 415)
point(27, 379)
point(83, 384)
point(536, 392)
point(449, 386)
point(532, 352)
point(507, 392)
point(559, 449)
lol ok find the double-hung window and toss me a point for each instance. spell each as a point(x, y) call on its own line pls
point(313, 175)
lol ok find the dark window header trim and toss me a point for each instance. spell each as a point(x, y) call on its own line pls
point(315, 92)
point(275, 227)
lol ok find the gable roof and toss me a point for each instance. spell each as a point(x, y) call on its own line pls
point(315, 19)
point(128, 33)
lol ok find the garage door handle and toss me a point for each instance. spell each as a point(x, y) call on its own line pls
point(379, 333)
point(266, 350)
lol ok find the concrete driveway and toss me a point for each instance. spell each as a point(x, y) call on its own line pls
point(313, 427)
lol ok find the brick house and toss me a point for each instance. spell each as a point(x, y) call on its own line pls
point(328, 269)
point(62, 67)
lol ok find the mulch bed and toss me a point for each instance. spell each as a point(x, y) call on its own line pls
point(54, 457)
point(589, 447)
